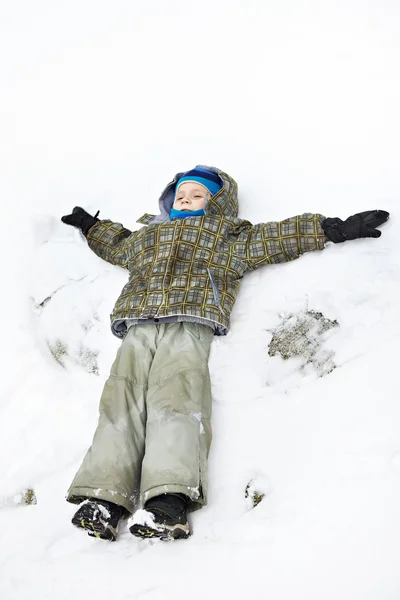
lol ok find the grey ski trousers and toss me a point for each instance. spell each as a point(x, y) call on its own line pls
point(154, 431)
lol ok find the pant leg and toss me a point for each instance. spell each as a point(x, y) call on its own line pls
point(111, 467)
point(178, 430)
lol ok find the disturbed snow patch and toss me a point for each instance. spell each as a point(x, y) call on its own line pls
point(67, 349)
point(82, 356)
point(25, 497)
point(302, 336)
point(256, 490)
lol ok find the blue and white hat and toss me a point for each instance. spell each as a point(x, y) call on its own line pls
point(208, 179)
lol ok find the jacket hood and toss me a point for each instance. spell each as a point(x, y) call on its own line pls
point(224, 203)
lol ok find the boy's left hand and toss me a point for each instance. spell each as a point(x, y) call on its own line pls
point(360, 225)
point(81, 219)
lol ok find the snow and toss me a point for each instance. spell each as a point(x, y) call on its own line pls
point(100, 106)
point(142, 517)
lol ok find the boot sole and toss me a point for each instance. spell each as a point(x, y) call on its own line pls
point(95, 528)
point(167, 532)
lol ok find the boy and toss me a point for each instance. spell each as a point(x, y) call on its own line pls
point(185, 269)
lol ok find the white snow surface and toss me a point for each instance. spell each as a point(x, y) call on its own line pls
point(101, 104)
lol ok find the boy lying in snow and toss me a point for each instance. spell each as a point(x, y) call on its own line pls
point(185, 270)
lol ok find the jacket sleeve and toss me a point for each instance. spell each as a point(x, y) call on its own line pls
point(112, 242)
point(281, 241)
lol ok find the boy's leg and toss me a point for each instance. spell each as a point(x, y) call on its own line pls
point(178, 431)
point(111, 468)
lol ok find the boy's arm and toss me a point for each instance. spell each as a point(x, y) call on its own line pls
point(110, 241)
point(282, 241)
point(275, 242)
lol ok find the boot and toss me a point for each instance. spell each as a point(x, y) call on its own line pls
point(99, 517)
point(164, 517)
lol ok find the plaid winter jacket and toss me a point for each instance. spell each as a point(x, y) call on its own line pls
point(191, 269)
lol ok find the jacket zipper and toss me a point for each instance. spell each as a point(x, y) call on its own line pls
point(215, 292)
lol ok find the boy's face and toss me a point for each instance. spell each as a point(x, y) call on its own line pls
point(191, 196)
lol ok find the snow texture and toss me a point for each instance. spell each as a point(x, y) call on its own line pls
point(100, 105)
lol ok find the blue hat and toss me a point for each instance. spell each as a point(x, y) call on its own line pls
point(210, 180)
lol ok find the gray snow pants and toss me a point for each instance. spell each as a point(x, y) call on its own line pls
point(154, 431)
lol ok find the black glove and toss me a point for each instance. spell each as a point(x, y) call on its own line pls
point(81, 219)
point(360, 225)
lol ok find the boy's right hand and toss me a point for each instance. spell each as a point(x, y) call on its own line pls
point(81, 219)
point(360, 225)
